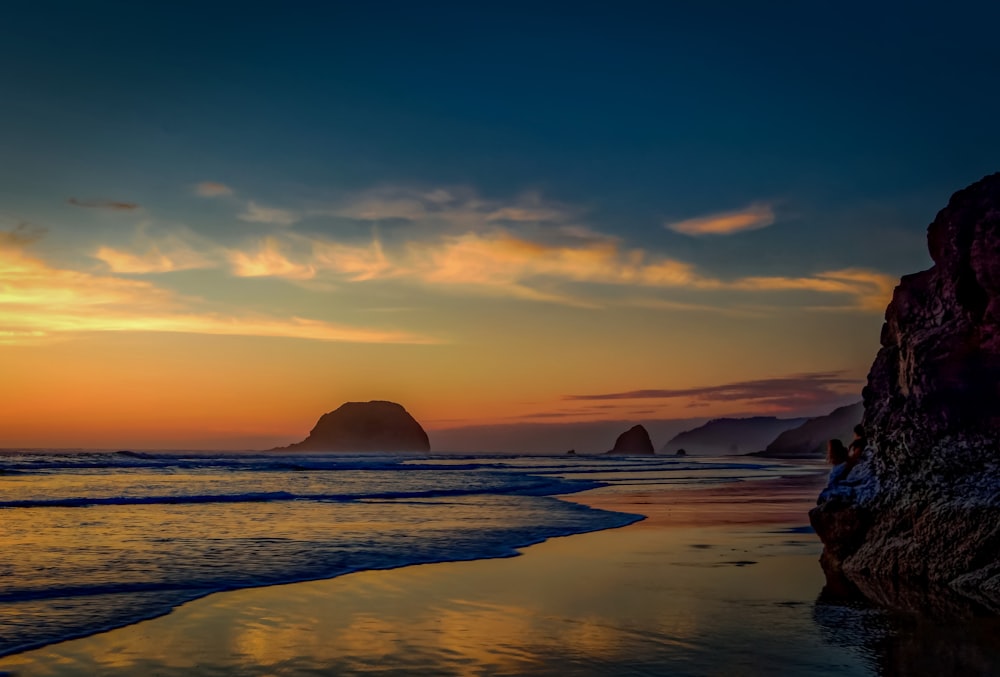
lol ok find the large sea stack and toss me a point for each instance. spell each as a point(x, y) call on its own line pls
point(633, 441)
point(365, 426)
point(929, 507)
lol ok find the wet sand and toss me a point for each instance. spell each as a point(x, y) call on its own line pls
point(717, 581)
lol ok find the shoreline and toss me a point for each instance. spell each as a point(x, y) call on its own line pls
point(664, 510)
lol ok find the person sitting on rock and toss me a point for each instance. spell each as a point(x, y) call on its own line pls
point(837, 456)
point(856, 450)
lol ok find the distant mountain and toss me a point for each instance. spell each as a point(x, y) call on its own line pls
point(365, 426)
point(635, 440)
point(731, 435)
point(809, 439)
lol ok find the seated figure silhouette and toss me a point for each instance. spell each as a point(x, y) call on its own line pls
point(856, 450)
point(837, 456)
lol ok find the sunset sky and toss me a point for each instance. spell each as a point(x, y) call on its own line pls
point(218, 222)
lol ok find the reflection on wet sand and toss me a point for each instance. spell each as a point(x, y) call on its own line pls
point(909, 630)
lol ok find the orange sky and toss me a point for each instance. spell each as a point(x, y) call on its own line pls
point(98, 356)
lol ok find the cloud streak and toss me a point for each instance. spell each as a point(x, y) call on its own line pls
point(255, 213)
point(456, 207)
point(783, 394)
point(753, 217)
point(112, 205)
point(523, 248)
point(21, 235)
point(162, 254)
point(212, 189)
point(496, 262)
point(38, 301)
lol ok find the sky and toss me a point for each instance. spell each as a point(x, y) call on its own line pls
point(220, 220)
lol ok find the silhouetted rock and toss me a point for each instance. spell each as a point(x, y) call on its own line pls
point(365, 426)
point(571, 452)
point(809, 439)
point(633, 441)
point(931, 484)
point(680, 452)
point(731, 435)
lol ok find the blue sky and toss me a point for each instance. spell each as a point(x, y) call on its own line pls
point(558, 137)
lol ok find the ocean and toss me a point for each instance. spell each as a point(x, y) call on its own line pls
point(93, 541)
point(718, 573)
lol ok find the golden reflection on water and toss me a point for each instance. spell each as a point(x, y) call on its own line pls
point(725, 595)
point(639, 596)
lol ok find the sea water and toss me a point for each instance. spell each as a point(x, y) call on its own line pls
point(92, 541)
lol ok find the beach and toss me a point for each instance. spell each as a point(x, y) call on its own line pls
point(717, 580)
point(640, 598)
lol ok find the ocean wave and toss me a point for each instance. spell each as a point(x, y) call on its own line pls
point(541, 487)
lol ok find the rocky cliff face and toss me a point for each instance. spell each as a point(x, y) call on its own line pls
point(809, 439)
point(635, 440)
point(929, 505)
point(365, 426)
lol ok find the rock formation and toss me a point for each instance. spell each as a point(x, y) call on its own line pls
point(365, 426)
point(928, 507)
point(809, 439)
point(731, 435)
point(633, 441)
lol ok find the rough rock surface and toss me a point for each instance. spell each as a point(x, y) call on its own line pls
point(809, 439)
point(365, 426)
point(929, 508)
point(635, 440)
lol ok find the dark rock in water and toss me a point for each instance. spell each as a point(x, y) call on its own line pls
point(635, 440)
point(680, 452)
point(809, 439)
point(571, 452)
point(930, 487)
point(722, 436)
point(365, 426)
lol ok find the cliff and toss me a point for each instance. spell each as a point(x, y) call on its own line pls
point(809, 439)
point(928, 504)
point(633, 441)
point(731, 435)
point(365, 426)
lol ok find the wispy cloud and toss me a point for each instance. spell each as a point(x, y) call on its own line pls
point(755, 216)
point(255, 213)
point(781, 394)
point(22, 234)
point(871, 290)
point(113, 205)
point(39, 301)
point(499, 262)
point(356, 262)
point(524, 247)
point(268, 259)
point(457, 207)
point(212, 189)
point(162, 254)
